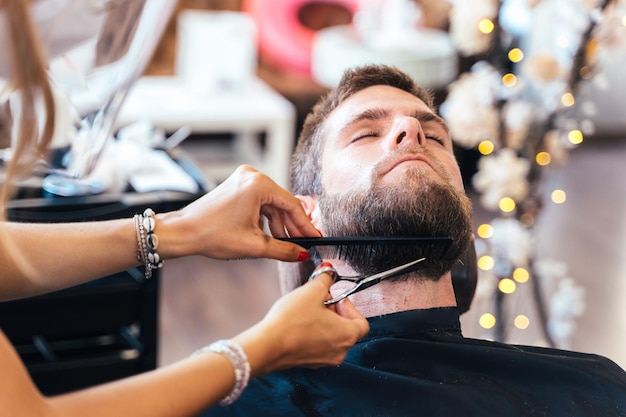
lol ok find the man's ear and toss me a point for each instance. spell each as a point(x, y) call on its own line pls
point(311, 208)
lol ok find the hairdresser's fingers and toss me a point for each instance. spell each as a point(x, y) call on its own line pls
point(282, 224)
point(355, 320)
point(285, 251)
point(346, 309)
point(295, 229)
point(295, 219)
point(299, 226)
point(326, 280)
point(341, 331)
point(274, 221)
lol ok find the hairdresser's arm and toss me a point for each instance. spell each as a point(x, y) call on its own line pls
point(224, 224)
point(298, 331)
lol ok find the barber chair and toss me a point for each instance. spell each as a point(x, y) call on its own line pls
point(465, 278)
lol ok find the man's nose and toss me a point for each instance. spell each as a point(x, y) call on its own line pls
point(406, 131)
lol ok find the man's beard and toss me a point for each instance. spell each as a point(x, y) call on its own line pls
point(418, 206)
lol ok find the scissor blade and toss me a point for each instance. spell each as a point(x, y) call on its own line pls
point(392, 271)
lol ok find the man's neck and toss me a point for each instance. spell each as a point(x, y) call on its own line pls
point(394, 296)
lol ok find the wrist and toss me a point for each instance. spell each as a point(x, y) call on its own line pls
point(238, 360)
point(174, 236)
point(147, 241)
point(262, 347)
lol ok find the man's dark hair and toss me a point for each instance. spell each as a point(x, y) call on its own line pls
point(305, 172)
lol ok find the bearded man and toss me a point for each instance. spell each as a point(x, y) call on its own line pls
point(375, 159)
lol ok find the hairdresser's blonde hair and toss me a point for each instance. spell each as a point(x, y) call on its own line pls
point(29, 76)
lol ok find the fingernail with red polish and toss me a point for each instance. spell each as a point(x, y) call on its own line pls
point(303, 256)
point(324, 264)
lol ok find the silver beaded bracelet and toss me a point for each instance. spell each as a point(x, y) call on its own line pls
point(238, 359)
point(147, 241)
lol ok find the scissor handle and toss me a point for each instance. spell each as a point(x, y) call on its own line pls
point(329, 269)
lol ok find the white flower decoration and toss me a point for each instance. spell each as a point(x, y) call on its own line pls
point(469, 108)
point(567, 303)
point(518, 116)
point(550, 270)
point(511, 242)
point(499, 175)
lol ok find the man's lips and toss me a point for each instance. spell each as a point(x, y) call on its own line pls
point(393, 163)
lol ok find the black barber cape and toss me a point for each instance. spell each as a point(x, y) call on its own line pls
point(417, 363)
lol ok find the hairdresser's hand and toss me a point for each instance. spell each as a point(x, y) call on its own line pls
point(227, 222)
point(299, 330)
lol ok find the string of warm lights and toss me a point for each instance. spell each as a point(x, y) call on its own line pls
point(516, 107)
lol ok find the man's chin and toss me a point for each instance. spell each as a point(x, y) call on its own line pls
point(412, 172)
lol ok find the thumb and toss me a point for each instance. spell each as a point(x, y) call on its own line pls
point(323, 277)
point(325, 273)
point(346, 309)
point(327, 278)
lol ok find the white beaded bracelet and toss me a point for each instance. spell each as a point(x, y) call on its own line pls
point(239, 361)
point(147, 241)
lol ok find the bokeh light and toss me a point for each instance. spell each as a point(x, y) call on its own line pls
point(486, 263)
point(585, 73)
point(486, 26)
point(509, 79)
point(558, 196)
point(485, 231)
point(567, 100)
point(527, 219)
point(575, 137)
point(507, 285)
point(521, 322)
point(486, 147)
point(507, 204)
point(487, 321)
point(543, 158)
point(521, 275)
point(516, 55)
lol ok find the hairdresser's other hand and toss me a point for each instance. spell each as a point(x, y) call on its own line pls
point(227, 222)
point(299, 330)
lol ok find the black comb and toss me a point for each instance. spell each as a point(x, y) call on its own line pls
point(362, 246)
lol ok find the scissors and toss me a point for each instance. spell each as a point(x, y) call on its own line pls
point(362, 281)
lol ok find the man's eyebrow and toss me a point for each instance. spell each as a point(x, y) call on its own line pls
point(380, 113)
point(369, 114)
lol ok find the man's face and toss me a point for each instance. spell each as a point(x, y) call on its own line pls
point(388, 169)
point(378, 135)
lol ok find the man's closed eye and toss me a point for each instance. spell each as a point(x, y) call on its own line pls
point(364, 135)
